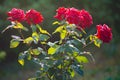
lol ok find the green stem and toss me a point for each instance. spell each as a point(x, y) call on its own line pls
point(48, 76)
point(88, 44)
point(20, 32)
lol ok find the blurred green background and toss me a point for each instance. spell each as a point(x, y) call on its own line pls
point(107, 62)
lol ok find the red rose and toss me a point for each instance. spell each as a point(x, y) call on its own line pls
point(72, 16)
point(104, 33)
point(85, 19)
point(60, 13)
point(33, 17)
point(16, 15)
point(80, 18)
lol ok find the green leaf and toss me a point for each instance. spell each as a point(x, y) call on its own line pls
point(83, 41)
point(34, 28)
point(51, 72)
point(43, 37)
point(78, 69)
point(69, 48)
point(77, 43)
point(82, 59)
point(28, 40)
point(42, 30)
point(38, 73)
point(14, 43)
point(44, 66)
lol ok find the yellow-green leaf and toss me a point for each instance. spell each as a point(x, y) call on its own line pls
point(35, 36)
point(60, 66)
point(42, 30)
point(72, 72)
point(21, 61)
point(32, 79)
point(28, 40)
point(34, 51)
point(91, 37)
point(20, 26)
point(75, 54)
point(43, 42)
point(59, 29)
point(2, 55)
point(14, 43)
point(52, 50)
point(95, 40)
point(29, 57)
point(82, 59)
point(63, 34)
point(56, 22)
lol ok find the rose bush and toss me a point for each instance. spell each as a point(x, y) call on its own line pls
point(61, 59)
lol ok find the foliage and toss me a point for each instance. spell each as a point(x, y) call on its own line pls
point(102, 14)
point(60, 59)
point(2, 55)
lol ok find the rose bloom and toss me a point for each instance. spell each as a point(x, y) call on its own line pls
point(33, 17)
point(16, 15)
point(85, 19)
point(72, 16)
point(104, 33)
point(81, 18)
point(60, 13)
